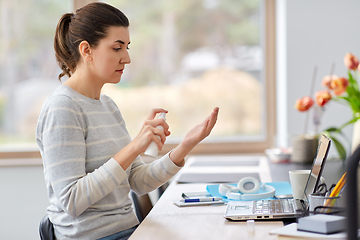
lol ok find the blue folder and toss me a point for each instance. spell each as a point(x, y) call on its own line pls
point(281, 188)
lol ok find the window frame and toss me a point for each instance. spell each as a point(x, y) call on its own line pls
point(218, 147)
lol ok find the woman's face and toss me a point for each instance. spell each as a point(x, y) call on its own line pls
point(111, 54)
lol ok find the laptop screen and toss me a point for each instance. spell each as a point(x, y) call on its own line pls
point(318, 164)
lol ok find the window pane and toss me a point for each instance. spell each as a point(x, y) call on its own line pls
point(28, 70)
point(189, 57)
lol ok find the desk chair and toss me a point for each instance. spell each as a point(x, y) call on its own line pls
point(143, 204)
point(46, 229)
point(351, 191)
point(162, 189)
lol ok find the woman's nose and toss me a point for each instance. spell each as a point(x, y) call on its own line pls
point(126, 58)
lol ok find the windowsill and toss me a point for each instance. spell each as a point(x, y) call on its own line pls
point(19, 151)
point(29, 154)
point(20, 162)
point(19, 155)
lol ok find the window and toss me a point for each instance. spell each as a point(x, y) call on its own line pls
point(187, 56)
point(191, 56)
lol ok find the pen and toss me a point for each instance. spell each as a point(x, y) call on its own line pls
point(206, 199)
point(341, 190)
point(336, 191)
point(338, 186)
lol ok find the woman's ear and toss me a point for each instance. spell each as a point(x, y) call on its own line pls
point(85, 51)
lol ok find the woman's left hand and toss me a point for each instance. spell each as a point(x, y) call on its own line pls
point(193, 137)
point(201, 131)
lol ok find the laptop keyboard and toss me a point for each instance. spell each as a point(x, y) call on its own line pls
point(273, 206)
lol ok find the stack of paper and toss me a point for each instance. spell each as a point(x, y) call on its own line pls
point(291, 231)
point(322, 223)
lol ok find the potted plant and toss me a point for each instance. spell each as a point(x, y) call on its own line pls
point(344, 90)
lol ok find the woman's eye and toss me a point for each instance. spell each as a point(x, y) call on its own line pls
point(118, 49)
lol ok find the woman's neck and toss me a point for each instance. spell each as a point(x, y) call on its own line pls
point(84, 84)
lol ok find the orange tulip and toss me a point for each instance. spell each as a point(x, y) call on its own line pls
point(350, 61)
point(322, 97)
point(326, 82)
point(339, 85)
point(304, 103)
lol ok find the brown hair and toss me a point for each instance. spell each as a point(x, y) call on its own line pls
point(89, 23)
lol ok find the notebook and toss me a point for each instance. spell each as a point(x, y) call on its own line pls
point(280, 208)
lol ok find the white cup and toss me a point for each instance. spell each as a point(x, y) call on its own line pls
point(298, 180)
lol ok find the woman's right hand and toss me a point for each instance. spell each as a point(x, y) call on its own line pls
point(149, 132)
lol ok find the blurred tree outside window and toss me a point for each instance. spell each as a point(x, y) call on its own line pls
point(187, 56)
point(28, 69)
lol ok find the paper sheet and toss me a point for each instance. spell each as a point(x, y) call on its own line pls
point(291, 230)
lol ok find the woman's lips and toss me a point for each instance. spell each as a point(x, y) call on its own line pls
point(120, 71)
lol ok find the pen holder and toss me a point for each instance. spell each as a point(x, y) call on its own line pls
point(323, 204)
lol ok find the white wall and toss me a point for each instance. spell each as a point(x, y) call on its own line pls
point(23, 202)
point(312, 33)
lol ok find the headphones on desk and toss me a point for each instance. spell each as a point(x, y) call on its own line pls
point(247, 189)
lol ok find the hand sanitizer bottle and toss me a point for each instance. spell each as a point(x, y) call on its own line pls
point(152, 149)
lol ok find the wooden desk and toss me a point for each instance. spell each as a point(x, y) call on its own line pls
point(167, 221)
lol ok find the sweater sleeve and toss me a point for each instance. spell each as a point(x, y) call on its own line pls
point(61, 135)
point(145, 178)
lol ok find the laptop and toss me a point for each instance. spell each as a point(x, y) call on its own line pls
point(281, 208)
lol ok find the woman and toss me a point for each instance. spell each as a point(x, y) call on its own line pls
point(90, 161)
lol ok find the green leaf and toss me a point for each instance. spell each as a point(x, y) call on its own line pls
point(352, 82)
point(355, 119)
point(353, 93)
point(331, 129)
point(339, 147)
point(338, 130)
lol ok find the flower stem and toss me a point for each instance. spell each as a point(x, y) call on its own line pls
point(311, 93)
point(313, 81)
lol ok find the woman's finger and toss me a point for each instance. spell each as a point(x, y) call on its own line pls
point(205, 128)
point(158, 122)
point(213, 117)
point(155, 111)
point(209, 122)
point(160, 133)
point(158, 138)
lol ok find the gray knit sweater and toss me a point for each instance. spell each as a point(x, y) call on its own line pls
point(87, 189)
